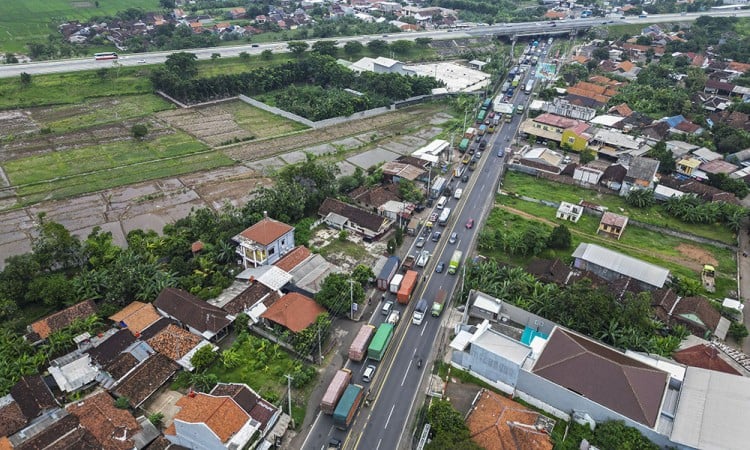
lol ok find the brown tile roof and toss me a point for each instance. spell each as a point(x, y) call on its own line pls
point(294, 311)
point(221, 414)
point(738, 66)
point(174, 342)
point(293, 258)
point(63, 434)
point(191, 310)
point(662, 301)
point(549, 270)
point(249, 297)
point(705, 356)
point(249, 401)
point(687, 127)
point(580, 59)
point(588, 94)
point(603, 375)
point(161, 443)
point(586, 86)
point(33, 396)
point(498, 423)
point(718, 166)
point(612, 219)
point(12, 418)
point(156, 327)
point(109, 349)
point(62, 319)
point(379, 195)
point(362, 218)
point(111, 426)
point(266, 231)
point(622, 109)
point(121, 365)
point(626, 66)
point(5, 443)
point(137, 316)
point(697, 311)
point(145, 379)
point(556, 121)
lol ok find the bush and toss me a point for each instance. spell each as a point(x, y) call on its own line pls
point(139, 131)
point(156, 419)
point(122, 403)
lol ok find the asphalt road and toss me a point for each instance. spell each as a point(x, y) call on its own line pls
point(395, 388)
point(561, 27)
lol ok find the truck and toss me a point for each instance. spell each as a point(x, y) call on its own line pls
point(419, 312)
point(505, 87)
point(348, 406)
point(380, 341)
point(337, 387)
point(513, 72)
point(458, 193)
point(708, 278)
point(393, 318)
point(482, 114)
point(407, 265)
point(516, 81)
point(482, 130)
point(395, 283)
point(470, 133)
point(455, 262)
point(464, 145)
point(458, 171)
point(386, 274)
point(407, 287)
point(529, 86)
point(424, 257)
point(437, 304)
point(358, 349)
point(445, 215)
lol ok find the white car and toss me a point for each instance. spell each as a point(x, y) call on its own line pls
point(141, 61)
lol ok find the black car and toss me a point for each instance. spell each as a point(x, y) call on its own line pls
point(440, 267)
point(465, 177)
point(436, 236)
point(482, 145)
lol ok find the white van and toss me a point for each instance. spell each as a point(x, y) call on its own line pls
point(458, 193)
point(441, 203)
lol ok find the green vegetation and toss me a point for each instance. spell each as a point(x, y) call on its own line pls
point(262, 124)
point(89, 169)
point(32, 21)
point(99, 111)
point(517, 183)
point(449, 428)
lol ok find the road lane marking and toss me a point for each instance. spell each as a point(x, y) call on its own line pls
point(380, 441)
point(405, 374)
point(423, 328)
point(389, 416)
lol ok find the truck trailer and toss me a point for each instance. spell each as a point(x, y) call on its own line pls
point(387, 273)
point(380, 341)
point(348, 406)
point(438, 303)
point(408, 285)
point(332, 395)
point(395, 283)
point(358, 349)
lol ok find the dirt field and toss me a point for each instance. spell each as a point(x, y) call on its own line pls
point(696, 254)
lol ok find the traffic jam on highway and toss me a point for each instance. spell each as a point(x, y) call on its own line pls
point(415, 290)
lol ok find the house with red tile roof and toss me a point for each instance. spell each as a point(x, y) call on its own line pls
point(264, 242)
point(198, 316)
point(705, 356)
point(206, 421)
point(294, 312)
point(498, 423)
point(613, 224)
point(261, 411)
point(136, 317)
point(42, 328)
point(141, 383)
point(293, 258)
point(28, 399)
point(178, 344)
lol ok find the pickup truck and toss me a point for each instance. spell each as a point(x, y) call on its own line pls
point(393, 318)
point(408, 263)
point(424, 257)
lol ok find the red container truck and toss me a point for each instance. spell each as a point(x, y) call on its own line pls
point(408, 285)
point(358, 349)
point(339, 383)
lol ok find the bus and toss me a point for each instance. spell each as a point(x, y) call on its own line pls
point(105, 56)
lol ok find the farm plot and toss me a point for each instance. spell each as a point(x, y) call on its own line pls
point(89, 169)
point(229, 122)
point(13, 123)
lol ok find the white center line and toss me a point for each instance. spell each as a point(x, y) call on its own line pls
point(389, 418)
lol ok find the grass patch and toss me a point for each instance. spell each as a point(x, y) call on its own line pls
point(32, 21)
point(63, 174)
point(101, 111)
point(348, 248)
point(637, 242)
point(73, 87)
point(541, 189)
point(260, 123)
point(229, 66)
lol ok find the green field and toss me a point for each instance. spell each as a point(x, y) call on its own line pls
point(25, 21)
point(89, 169)
point(518, 183)
point(104, 110)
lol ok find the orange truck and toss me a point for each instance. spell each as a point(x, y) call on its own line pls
point(408, 285)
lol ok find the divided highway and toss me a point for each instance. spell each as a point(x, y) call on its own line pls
point(505, 29)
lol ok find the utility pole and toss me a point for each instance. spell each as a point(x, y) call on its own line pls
point(289, 394)
point(320, 350)
point(351, 299)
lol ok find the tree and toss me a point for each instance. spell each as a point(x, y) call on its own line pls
point(559, 238)
point(450, 429)
point(102, 73)
point(25, 79)
point(297, 48)
point(587, 155)
point(55, 248)
point(156, 419)
point(363, 274)
point(139, 131)
point(10, 58)
point(353, 48)
point(409, 192)
point(738, 331)
point(182, 64)
point(266, 54)
point(377, 46)
point(423, 42)
point(167, 4)
point(203, 358)
point(122, 403)
point(244, 56)
point(401, 47)
point(215, 56)
point(615, 434)
point(337, 293)
point(325, 48)
point(640, 198)
point(665, 157)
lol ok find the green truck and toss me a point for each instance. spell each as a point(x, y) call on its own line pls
point(347, 407)
point(438, 303)
point(380, 341)
point(464, 145)
point(455, 262)
point(481, 116)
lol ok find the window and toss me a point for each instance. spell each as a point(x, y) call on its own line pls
point(571, 140)
point(271, 251)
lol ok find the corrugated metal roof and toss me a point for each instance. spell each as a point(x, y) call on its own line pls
point(623, 264)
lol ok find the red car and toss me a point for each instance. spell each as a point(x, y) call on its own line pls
point(470, 224)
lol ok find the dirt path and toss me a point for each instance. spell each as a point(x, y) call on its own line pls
point(691, 264)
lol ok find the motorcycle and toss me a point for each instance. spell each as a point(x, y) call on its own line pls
point(419, 364)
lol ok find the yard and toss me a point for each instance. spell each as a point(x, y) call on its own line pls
point(32, 21)
point(89, 169)
point(540, 189)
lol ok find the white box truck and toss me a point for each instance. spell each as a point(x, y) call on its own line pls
point(396, 283)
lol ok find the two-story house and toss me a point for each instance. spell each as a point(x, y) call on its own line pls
point(549, 127)
point(265, 242)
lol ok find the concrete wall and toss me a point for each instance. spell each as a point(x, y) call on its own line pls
point(523, 317)
point(489, 365)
